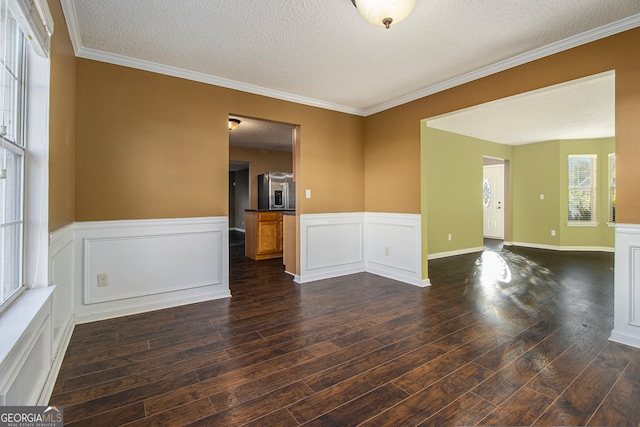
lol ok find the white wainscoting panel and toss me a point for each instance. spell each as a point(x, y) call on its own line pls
point(627, 285)
point(331, 245)
point(393, 246)
point(25, 353)
point(150, 264)
point(62, 276)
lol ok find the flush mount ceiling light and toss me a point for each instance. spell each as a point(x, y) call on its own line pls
point(233, 124)
point(384, 12)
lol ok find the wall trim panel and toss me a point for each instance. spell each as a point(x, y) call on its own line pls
point(150, 265)
point(25, 354)
point(386, 244)
point(393, 246)
point(62, 276)
point(331, 245)
point(627, 286)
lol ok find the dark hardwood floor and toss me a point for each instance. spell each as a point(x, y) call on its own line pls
point(515, 337)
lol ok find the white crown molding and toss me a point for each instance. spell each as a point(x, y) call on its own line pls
point(562, 45)
point(168, 70)
point(553, 48)
point(70, 15)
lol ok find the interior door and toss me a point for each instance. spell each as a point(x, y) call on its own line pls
point(493, 201)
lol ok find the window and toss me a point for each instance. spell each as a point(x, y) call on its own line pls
point(582, 188)
point(612, 187)
point(12, 153)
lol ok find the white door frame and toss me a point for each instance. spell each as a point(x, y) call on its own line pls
point(493, 215)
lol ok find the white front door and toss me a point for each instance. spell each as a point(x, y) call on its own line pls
point(493, 201)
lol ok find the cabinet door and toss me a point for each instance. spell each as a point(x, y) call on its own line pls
point(269, 237)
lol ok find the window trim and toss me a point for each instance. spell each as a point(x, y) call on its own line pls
point(611, 217)
point(594, 185)
point(18, 147)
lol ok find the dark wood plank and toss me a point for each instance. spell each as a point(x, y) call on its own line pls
point(430, 400)
point(180, 415)
point(361, 364)
point(522, 408)
point(468, 410)
point(118, 416)
point(578, 402)
point(366, 349)
point(231, 378)
point(102, 404)
point(248, 411)
point(364, 407)
point(433, 371)
point(616, 409)
point(281, 417)
point(250, 390)
point(332, 397)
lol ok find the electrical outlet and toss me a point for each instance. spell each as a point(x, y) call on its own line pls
point(553, 232)
point(103, 280)
point(449, 237)
point(386, 250)
point(308, 193)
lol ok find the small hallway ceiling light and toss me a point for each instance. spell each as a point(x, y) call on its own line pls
point(384, 12)
point(233, 124)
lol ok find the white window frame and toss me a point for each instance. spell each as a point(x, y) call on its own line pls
point(593, 180)
point(12, 229)
point(611, 187)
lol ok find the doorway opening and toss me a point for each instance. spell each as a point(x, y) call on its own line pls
point(495, 201)
point(258, 148)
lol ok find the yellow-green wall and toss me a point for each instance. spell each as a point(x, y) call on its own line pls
point(536, 171)
point(454, 168)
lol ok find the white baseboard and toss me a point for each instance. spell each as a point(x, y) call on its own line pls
point(112, 313)
point(565, 248)
point(465, 251)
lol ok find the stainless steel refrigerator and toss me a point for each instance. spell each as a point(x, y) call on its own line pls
point(276, 191)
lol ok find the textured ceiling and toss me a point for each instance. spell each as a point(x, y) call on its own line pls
point(579, 109)
point(254, 133)
point(322, 53)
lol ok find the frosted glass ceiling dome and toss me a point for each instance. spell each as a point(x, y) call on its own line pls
point(384, 12)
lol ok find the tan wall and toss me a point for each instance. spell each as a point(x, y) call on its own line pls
point(261, 161)
point(392, 144)
point(153, 146)
point(61, 124)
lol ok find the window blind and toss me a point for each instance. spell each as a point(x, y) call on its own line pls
point(582, 188)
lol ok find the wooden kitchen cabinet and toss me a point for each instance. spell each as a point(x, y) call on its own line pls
point(263, 234)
